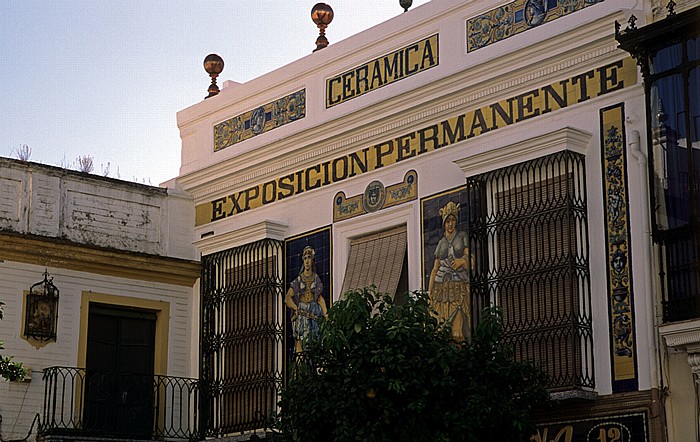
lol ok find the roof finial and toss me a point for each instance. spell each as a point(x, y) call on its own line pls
point(322, 15)
point(213, 64)
point(405, 4)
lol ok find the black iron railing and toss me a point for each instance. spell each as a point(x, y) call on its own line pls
point(78, 402)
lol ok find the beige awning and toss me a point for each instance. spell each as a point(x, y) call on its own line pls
point(376, 259)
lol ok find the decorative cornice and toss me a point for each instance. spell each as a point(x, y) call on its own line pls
point(56, 252)
point(567, 138)
point(201, 185)
point(681, 334)
point(212, 243)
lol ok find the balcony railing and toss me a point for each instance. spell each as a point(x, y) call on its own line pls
point(78, 402)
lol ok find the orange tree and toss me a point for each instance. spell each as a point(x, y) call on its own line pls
point(386, 372)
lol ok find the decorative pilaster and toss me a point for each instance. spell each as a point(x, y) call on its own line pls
point(618, 248)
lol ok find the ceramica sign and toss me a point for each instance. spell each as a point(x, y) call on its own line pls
point(527, 105)
point(417, 57)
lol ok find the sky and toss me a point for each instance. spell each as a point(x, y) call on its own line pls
point(105, 78)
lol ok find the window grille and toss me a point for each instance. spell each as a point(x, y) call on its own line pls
point(529, 236)
point(242, 339)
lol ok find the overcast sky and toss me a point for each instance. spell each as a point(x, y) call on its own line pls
point(106, 78)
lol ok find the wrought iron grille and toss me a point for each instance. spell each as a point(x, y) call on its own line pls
point(679, 271)
point(84, 403)
point(241, 337)
point(529, 236)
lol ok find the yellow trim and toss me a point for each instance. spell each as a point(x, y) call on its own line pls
point(52, 252)
point(160, 308)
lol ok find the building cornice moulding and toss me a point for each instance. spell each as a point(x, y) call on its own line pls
point(682, 334)
point(567, 138)
point(51, 252)
point(218, 178)
point(212, 242)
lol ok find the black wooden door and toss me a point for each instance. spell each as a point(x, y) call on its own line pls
point(119, 364)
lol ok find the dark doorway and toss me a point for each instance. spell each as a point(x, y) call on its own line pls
point(119, 365)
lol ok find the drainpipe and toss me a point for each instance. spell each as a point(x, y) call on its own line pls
point(646, 254)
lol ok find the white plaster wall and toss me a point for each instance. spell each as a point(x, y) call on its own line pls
point(438, 172)
point(465, 81)
point(19, 402)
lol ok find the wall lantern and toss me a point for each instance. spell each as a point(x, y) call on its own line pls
point(41, 310)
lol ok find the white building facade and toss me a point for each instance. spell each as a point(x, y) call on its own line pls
point(487, 152)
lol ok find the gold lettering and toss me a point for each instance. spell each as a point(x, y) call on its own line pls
point(582, 81)
point(381, 153)
point(387, 69)
point(578, 88)
point(348, 91)
point(403, 145)
point(360, 163)
point(428, 55)
point(309, 185)
point(333, 98)
point(361, 79)
point(407, 56)
point(343, 169)
point(424, 140)
point(217, 209)
point(478, 122)
point(450, 135)
point(608, 78)
point(525, 105)
point(550, 92)
point(377, 76)
point(392, 69)
point(506, 117)
point(272, 192)
point(286, 183)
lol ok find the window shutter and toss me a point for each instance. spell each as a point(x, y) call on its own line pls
point(376, 259)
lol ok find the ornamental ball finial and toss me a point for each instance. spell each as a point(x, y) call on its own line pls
point(214, 65)
point(322, 16)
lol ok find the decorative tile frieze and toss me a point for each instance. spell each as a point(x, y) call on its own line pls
point(516, 17)
point(260, 120)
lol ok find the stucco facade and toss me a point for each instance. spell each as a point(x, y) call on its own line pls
point(457, 92)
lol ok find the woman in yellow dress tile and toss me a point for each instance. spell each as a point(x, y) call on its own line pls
point(448, 286)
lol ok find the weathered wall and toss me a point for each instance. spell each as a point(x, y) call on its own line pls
point(87, 209)
point(99, 239)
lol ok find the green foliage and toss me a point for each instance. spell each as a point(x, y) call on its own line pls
point(10, 370)
point(383, 372)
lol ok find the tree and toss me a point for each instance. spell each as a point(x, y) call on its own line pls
point(85, 163)
point(23, 152)
point(10, 370)
point(386, 372)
